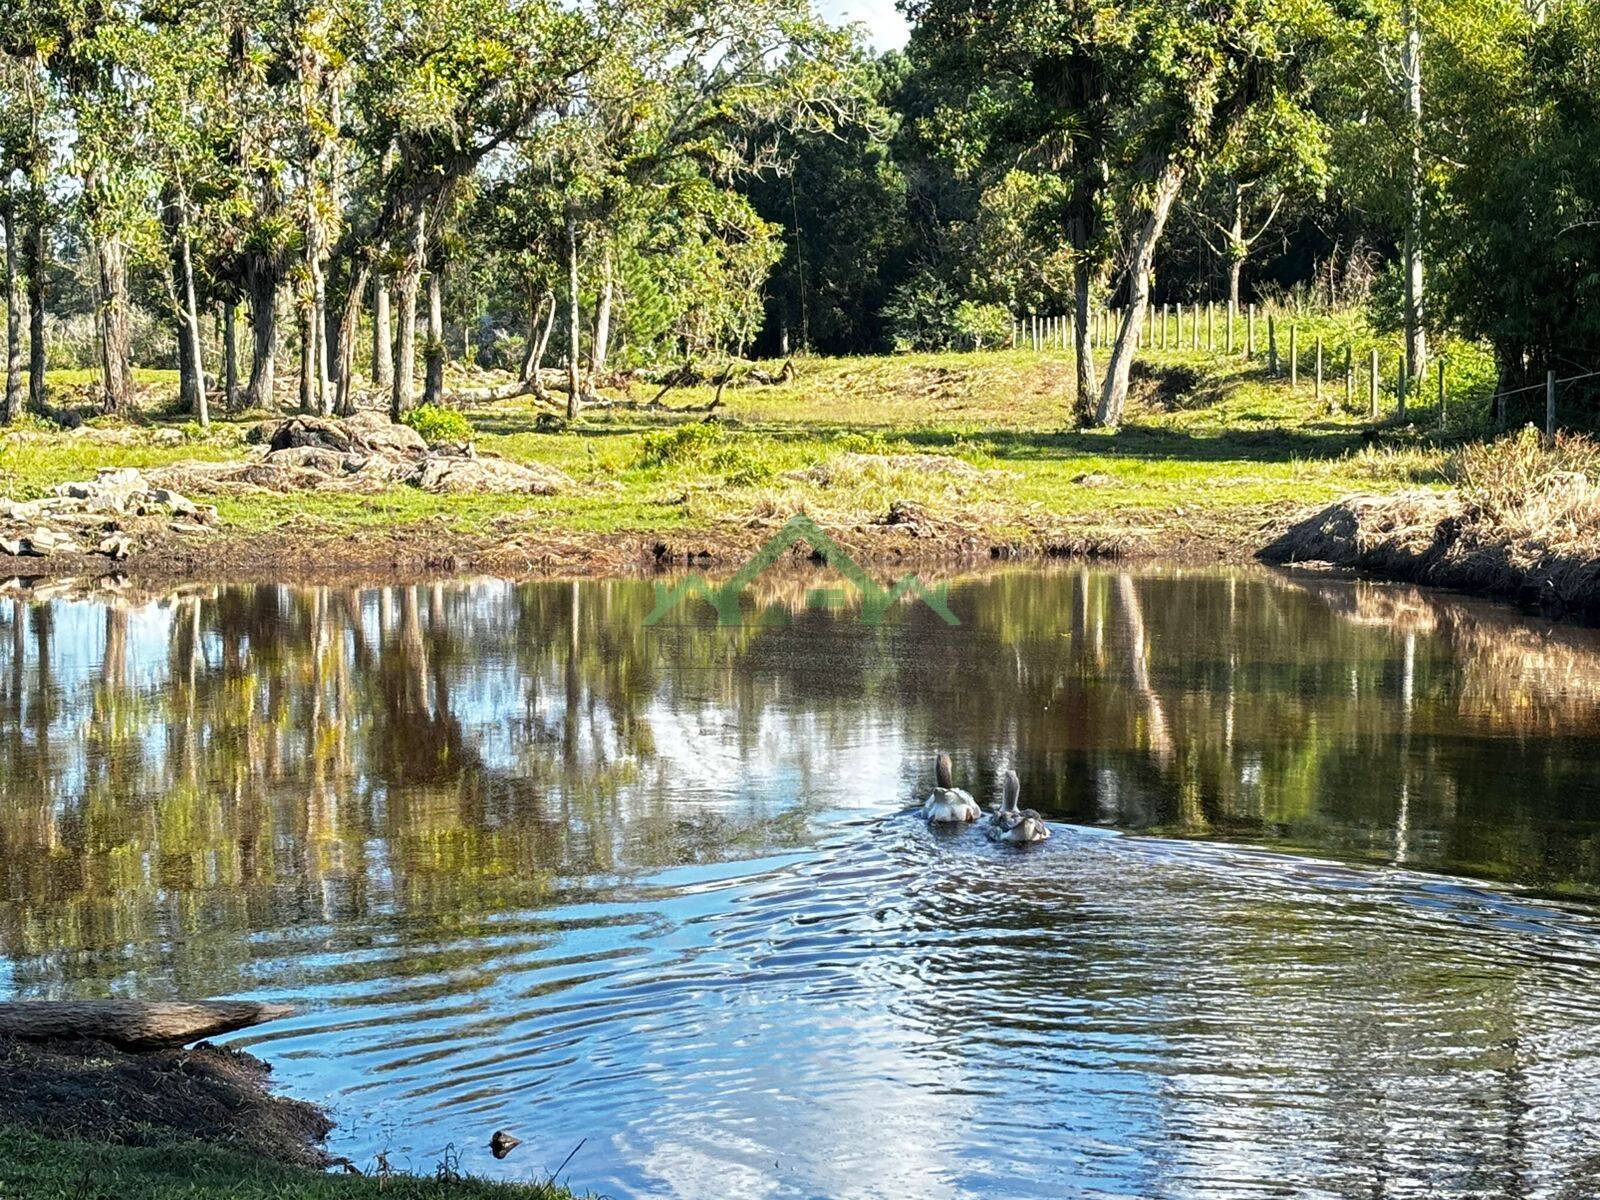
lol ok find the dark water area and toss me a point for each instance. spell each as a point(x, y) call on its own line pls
point(1318, 917)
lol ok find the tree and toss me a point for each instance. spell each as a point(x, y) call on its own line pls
point(1035, 85)
point(1189, 90)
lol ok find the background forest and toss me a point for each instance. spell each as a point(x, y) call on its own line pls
point(312, 202)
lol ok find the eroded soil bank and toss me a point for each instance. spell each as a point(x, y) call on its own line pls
point(95, 1091)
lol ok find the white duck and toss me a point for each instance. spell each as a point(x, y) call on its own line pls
point(948, 804)
point(1015, 825)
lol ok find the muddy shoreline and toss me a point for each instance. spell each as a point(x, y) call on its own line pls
point(417, 552)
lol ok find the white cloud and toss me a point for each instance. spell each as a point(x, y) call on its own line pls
point(886, 28)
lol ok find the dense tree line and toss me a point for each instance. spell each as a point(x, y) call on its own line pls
point(350, 194)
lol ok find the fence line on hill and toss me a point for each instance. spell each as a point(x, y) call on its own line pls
point(1054, 332)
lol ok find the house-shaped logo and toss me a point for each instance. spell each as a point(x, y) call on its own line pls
point(876, 600)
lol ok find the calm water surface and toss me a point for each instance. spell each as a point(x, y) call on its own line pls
point(1319, 918)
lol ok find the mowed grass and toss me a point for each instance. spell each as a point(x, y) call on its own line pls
point(1212, 446)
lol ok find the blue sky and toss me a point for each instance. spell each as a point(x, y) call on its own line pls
point(884, 23)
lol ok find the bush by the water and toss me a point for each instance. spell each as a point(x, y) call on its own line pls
point(439, 424)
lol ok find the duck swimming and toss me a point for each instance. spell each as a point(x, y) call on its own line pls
point(948, 804)
point(1015, 825)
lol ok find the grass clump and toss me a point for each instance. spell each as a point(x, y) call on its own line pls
point(436, 423)
point(170, 1168)
point(707, 447)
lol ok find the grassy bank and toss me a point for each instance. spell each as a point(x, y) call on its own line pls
point(980, 445)
point(170, 1168)
point(1521, 521)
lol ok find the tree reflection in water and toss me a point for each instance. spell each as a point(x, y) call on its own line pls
point(508, 847)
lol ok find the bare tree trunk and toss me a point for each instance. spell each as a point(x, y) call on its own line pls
point(602, 321)
point(382, 334)
point(308, 355)
point(433, 383)
point(538, 346)
point(1114, 394)
point(1088, 381)
point(1411, 67)
point(191, 320)
point(116, 367)
point(35, 257)
point(230, 354)
point(1238, 248)
point(319, 332)
point(345, 340)
point(35, 265)
point(405, 367)
point(13, 400)
point(261, 290)
point(574, 320)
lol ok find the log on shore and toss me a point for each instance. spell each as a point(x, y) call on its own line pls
point(132, 1024)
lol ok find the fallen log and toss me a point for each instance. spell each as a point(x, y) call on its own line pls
point(132, 1024)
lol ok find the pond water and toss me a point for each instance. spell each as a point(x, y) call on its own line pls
point(1318, 918)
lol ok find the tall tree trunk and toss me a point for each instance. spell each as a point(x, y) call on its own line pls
point(191, 353)
point(1114, 394)
point(1411, 66)
point(308, 355)
point(35, 246)
point(538, 342)
point(433, 381)
point(202, 406)
point(330, 344)
point(345, 339)
point(602, 321)
point(382, 334)
point(405, 367)
point(1238, 248)
point(1088, 381)
point(574, 320)
point(319, 333)
point(13, 400)
point(116, 354)
point(230, 354)
point(261, 291)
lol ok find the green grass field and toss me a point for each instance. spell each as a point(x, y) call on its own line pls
point(1212, 447)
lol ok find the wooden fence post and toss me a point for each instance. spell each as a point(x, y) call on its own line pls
point(1550, 404)
point(1250, 333)
point(1294, 355)
point(1211, 327)
point(1319, 372)
point(1232, 316)
point(1180, 325)
point(1442, 423)
point(1272, 344)
point(1372, 389)
point(1400, 388)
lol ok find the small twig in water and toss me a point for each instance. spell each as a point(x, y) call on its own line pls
point(568, 1159)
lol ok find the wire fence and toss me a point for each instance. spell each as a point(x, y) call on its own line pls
point(1345, 372)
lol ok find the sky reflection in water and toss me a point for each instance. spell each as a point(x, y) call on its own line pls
point(523, 863)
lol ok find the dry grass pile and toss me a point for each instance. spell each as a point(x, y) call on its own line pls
point(1523, 521)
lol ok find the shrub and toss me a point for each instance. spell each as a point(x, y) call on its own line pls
point(439, 424)
point(705, 445)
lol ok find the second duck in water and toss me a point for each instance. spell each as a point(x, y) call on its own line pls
point(948, 804)
point(1013, 824)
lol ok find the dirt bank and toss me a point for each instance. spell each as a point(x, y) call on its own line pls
point(323, 552)
point(1522, 523)
point(94, 1091)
